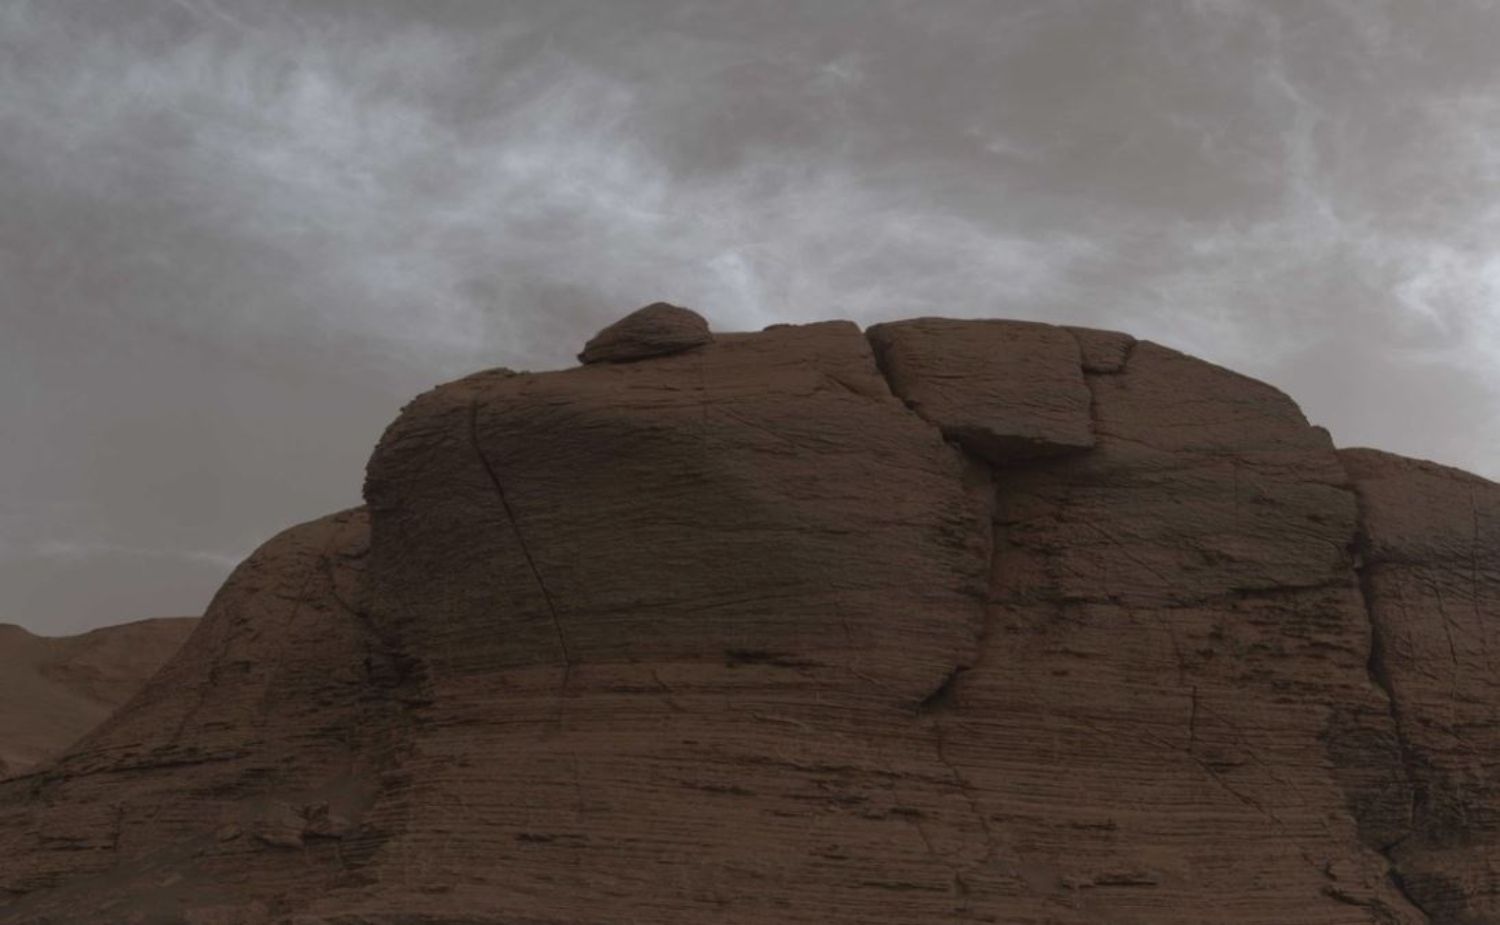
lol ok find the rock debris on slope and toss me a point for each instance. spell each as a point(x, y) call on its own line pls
point(990, 621)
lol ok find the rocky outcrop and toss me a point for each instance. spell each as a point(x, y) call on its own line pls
point(281, 703)
point(1004, 390)
point(656, 330)
point(55, 689)
point(960, 621)
point(1430, 569)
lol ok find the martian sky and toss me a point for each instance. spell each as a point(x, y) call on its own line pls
point(236, 236)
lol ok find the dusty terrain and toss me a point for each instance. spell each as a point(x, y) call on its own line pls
point(54, 689)
point(942, 621)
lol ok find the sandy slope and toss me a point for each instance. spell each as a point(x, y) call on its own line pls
point(54, 689)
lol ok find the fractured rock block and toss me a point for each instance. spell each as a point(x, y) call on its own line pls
point(1103, 352)
point(1005, 390)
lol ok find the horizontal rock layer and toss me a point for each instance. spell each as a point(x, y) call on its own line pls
point(963, 621)
point(1430, 570)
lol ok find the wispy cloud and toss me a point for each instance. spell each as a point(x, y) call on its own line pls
point(353, 207)
point(236, 220)
point(81, 551)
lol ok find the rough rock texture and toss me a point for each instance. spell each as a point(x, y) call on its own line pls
point(1102, 351)
point(735, 634)
point(55, 689)
point(1431, 574)
point(282, 704)
point(656, 330)
point(1006, 390)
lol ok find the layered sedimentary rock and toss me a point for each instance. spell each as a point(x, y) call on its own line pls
point(960, 621)
point(1004, 390)
point(55, 689)
point(1430, 552)
point(656, 330)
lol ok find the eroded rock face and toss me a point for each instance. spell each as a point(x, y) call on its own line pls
point(282, 696)
point(1431, 576)
point(1065, 629)
point(783, 509)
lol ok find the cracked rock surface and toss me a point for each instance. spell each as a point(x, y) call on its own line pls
point(1430, 549)
point(957, 621)
point(1005, 390)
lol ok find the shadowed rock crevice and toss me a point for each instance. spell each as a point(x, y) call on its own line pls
point(943, 697)
point(1005, 390)
point(983, 449)
point(1430, 578)
point(1101, 353)
point(515, 526)
point(1008, 394)
point(1379, 670)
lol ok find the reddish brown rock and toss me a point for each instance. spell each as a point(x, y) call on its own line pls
point(55, 689)
point(1431, 577)
point(283, 695)
point(734, 635)
point(1006, 390)
point(1174, 626)
point(726, 484)
point(656, 330)
point(1102, 351)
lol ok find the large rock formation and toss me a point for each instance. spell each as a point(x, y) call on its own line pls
point(54, 689)
point(989, 621)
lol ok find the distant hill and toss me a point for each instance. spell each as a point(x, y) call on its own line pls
point(54, 689)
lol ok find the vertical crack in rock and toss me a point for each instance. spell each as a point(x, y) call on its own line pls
point(1380, 676)
point(1007, 391)
point(944, 697)
point(383, 726)
point(515, 526)
point(1091, 371)
point(882, 366)
point(991, 848)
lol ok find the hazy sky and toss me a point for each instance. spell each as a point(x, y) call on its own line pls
point(236, 236)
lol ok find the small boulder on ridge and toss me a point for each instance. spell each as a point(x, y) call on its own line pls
point(1008, 391)
point(656, 330)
